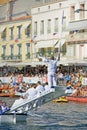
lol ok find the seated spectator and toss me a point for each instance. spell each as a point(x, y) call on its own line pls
point(69, 88)
point(1, 83)
point(68, 84)
point(4, 107)
point(80, 91)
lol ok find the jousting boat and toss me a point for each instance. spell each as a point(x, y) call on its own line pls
point(19, 110)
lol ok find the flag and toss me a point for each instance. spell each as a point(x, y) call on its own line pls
point(16, 40)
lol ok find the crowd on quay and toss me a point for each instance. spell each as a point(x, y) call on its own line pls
point(69, 77)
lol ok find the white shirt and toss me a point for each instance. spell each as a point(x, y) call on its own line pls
point(31, 92)
point(40, 88)
point(52, 65)
point(47, 87)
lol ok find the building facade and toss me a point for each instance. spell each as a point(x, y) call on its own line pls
point(59, 22)
point(15, 40)
point(49, 24)
point(77, 27)
point(55, 25)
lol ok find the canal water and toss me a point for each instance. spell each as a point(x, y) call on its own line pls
point(54, 116)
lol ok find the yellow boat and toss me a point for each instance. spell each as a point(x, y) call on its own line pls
point(60, 99)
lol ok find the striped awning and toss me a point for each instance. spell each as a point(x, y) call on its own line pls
point(25, 26)
point(2, 29)
point(60, 43)
point(46, 44)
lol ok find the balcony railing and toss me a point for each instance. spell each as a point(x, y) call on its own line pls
point(77, 37)
point(11, 57)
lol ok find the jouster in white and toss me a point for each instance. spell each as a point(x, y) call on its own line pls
point(31, 92)
point(40, 88)
point(52, 66)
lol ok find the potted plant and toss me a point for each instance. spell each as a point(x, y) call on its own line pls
point(28, 55)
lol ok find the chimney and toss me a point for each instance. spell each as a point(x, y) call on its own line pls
point(9, 10)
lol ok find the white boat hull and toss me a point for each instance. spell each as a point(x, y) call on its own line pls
point(12, 117)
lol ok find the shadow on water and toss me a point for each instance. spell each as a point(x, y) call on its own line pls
point(54, 116)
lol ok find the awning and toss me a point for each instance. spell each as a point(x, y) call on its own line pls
point(11, 26)
point(46, 44)
point(25, 26)
point(2, 29)
point(77, 25)
point(60, 43)
point(3, 64)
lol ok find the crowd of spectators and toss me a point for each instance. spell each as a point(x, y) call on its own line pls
point(71, 73)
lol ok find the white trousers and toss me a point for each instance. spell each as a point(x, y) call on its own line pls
point(52, 81)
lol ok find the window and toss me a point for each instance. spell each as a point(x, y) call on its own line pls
point(42, 27)
point(19, 49)
point(49, 26)
point(28, 50)
point(3, 34)
point(38, 9)
point(82, 12)
point(64, 24)
point(35, 28)
point(48, 7)
point(56, 25)
point(11, 33)
point(4, 50)
point(27, 31)
point(19, 31)
point(11, 49)
point(28, 47)
point(72, 13)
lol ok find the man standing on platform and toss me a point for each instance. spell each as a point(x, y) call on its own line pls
point(52, 67)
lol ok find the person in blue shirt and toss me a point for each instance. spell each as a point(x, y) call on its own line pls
point(0, 110)
point(67, 77)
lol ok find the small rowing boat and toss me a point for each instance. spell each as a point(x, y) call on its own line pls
point(77, 99)
point(60, 99)
point(7, 94)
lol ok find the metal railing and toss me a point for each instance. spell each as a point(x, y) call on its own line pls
point(11, 57)
point(77, 37)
